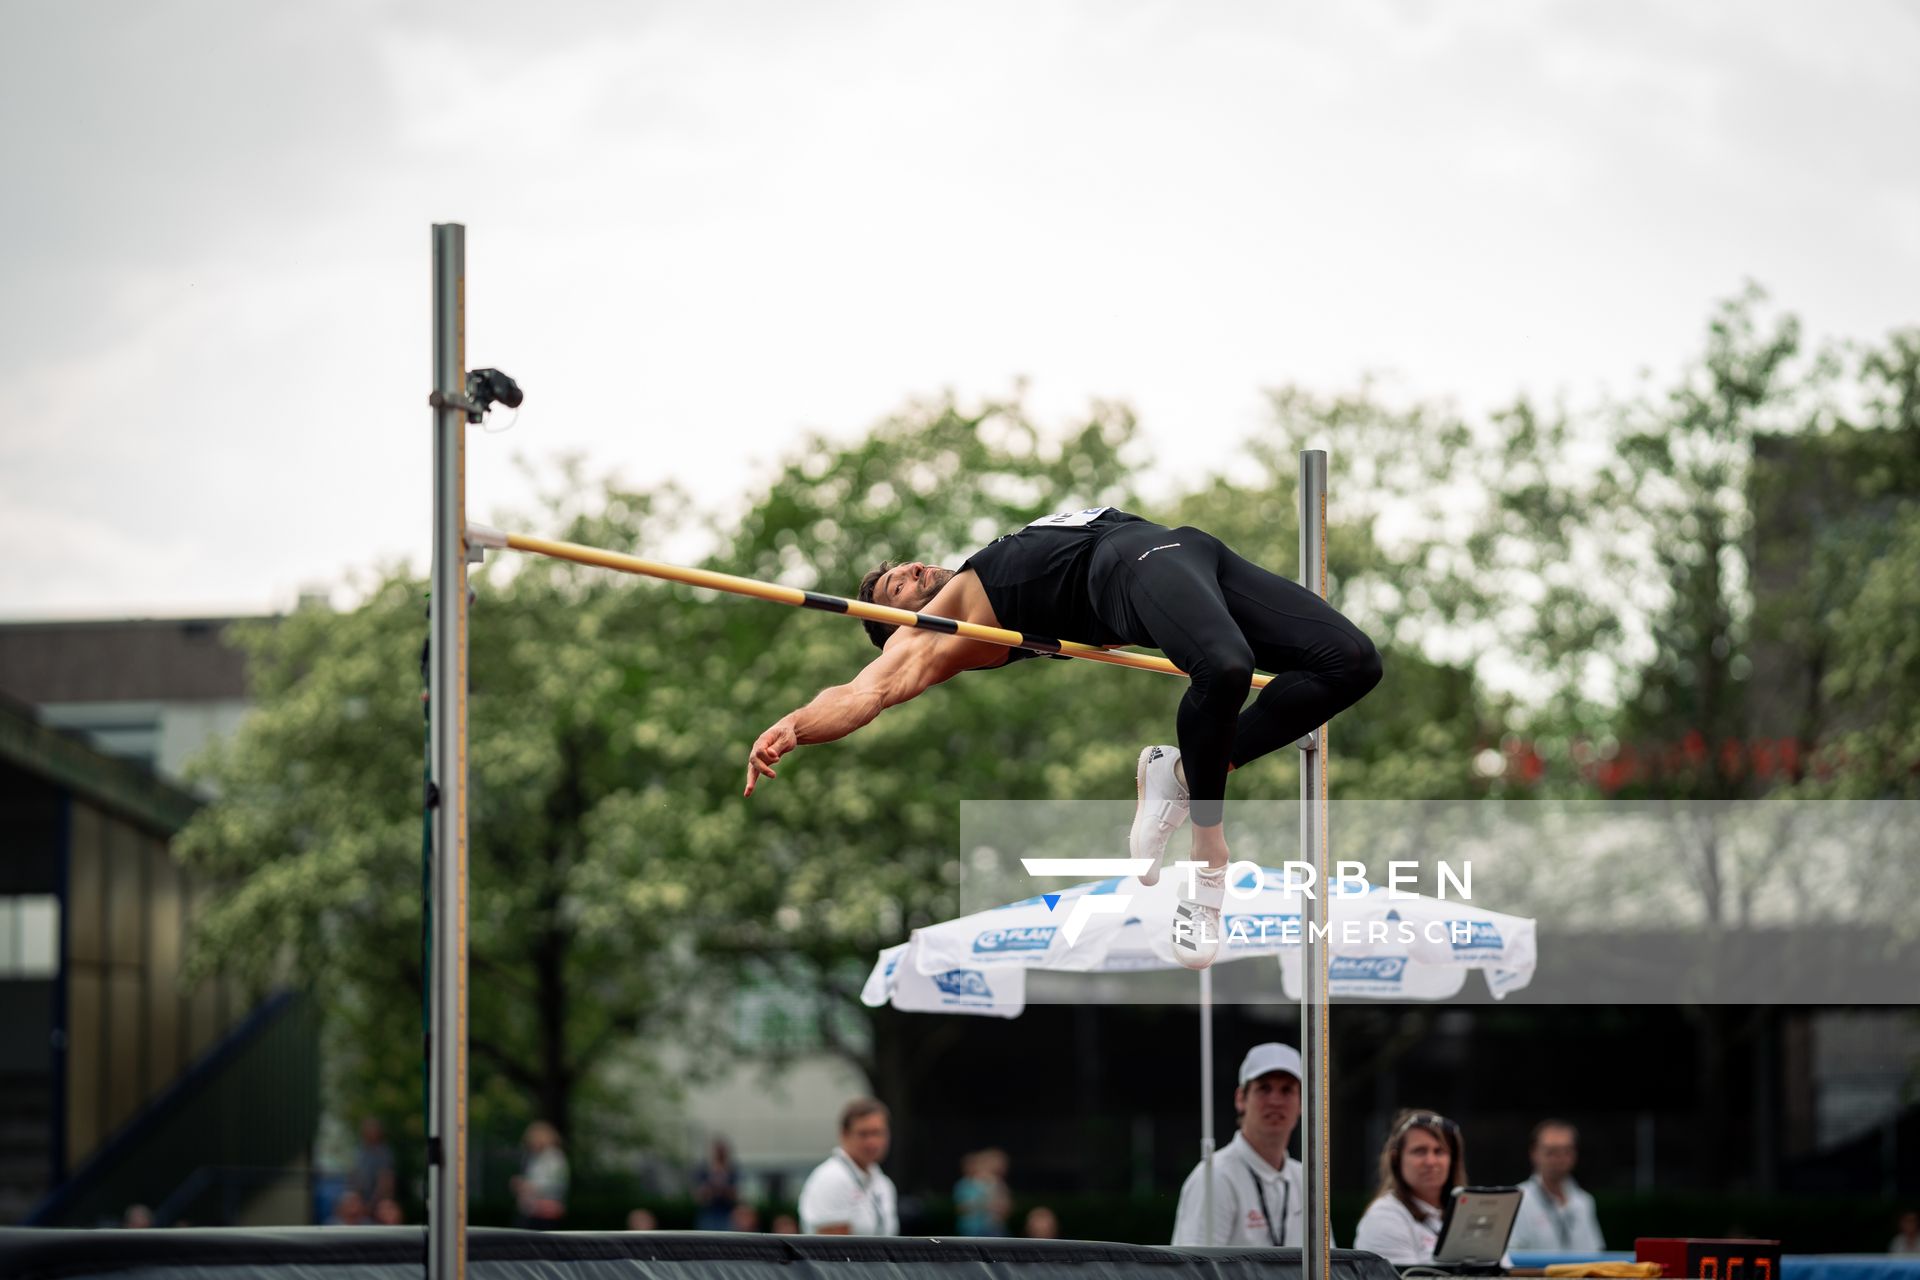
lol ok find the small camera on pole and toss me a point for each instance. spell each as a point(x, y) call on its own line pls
point(485, 388)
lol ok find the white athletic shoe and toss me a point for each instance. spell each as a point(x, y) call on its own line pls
point(1196, 920)
point(1159, 810)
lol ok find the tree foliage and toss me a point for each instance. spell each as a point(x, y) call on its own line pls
point(1599, 570)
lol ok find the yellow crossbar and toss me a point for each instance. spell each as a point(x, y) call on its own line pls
point(482, 536)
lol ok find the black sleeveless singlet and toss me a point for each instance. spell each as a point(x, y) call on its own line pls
point(1036, 579)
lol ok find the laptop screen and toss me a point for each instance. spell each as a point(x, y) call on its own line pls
point(1479, 1220)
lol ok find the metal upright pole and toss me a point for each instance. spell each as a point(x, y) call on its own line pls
point(1316, 1252)
point(1206, 1101)
point(447, 1109)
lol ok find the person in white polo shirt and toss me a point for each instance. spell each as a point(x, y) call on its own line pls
point(1424, 1160)
point(1258, 1193)
point(1557, 1215)
point(848, 1195)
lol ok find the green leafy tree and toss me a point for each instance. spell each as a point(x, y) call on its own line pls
point(1691, 575)
point(1392, 569)
point(856, 842)
point(1877, 660)
point(316, 838)
point(1865, 585)
point(621, 889)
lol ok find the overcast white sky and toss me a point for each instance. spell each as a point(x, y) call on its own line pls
point(696, 231)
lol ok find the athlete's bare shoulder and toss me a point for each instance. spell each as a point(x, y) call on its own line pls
point(964, 599)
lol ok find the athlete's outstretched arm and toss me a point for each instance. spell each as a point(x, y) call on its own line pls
point(912, 663)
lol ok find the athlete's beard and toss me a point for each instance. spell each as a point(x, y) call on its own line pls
point(936, 579)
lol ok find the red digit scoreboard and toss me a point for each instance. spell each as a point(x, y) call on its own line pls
point(1711, 1259)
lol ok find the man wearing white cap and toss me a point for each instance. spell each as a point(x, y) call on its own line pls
point(1257, 1191)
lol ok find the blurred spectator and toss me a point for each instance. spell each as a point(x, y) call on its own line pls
point(716, 1189)
point(969, 1195)
point(350, 1210)
point(848, 1193)
point(642, 1220)
point(1556, 1215)
point(980, 1198)
point(1908, 1241)
point(372, 1174)
point(1259, 1195)
point(785, 1224)
point(138, 1217)
point(1424, 1159)
point(540, 1188)
point(744, 1218)
point(1041, 1224)
point(386, 1212)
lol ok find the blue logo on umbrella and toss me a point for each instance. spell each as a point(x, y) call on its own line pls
point(1475, 935)
point(963, 982)
point(1031, 937)
point(1367, 969)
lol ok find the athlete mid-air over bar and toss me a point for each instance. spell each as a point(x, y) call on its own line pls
point(1105, 577)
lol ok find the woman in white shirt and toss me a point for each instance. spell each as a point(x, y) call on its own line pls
point(1424, 1159)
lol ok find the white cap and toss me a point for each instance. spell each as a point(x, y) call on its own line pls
point(1271, 1056)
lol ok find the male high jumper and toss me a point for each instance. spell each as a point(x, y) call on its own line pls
point(1105, 577)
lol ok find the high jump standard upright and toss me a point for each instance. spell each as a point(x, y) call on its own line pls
point(447, 753)
point(456, 404)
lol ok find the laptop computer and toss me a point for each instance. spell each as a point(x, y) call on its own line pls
point(1473, 1236)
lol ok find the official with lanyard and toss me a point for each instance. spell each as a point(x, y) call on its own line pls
point(848, 1193)
point(1258, 1194)
point(1557, 1215)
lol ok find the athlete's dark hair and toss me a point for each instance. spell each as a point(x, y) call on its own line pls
point(876, 631)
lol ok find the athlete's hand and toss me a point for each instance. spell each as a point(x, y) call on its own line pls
point(766, 753)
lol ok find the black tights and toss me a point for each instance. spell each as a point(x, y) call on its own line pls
point(1218, 616)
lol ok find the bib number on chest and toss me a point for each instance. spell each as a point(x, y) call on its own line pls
point(1069, 519)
